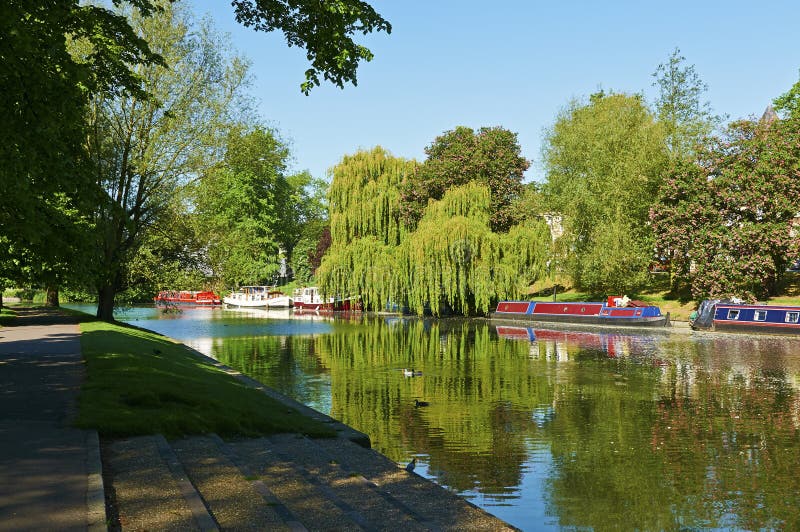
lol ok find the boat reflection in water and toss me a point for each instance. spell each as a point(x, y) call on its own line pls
point(557, 344)
point(598, 429)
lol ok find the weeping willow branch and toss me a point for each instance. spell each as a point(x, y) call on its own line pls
point(453, 261)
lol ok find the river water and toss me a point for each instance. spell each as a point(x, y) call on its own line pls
point(546, 429)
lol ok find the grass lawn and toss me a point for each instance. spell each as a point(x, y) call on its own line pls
point(141, 383)
point(6, 316)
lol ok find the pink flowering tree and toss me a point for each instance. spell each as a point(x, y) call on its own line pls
point(725, 220)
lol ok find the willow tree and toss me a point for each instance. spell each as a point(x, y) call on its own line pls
point(366, 228)
point(453, 261)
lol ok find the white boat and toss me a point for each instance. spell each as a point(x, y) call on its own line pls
point(310, 299)
point(257, 297)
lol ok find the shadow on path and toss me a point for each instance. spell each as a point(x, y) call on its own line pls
point(43, 459)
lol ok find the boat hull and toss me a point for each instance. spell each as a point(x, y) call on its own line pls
point(331, 306)
point(207, 299)
point(724, 316)
point(581, 313)
point(310, 299)
point(283, 302)
point(655, 321)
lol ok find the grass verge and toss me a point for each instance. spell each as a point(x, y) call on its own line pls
point(6, 316)
point(141, 383)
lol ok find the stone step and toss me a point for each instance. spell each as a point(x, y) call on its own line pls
point(232, 497)
point(316, 506)
point(372, 508)
point(434, 504)
point(283, 482)
point(146, 489)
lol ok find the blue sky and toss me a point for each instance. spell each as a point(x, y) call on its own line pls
point(513, 64)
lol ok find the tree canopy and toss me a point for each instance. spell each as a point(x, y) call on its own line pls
point(240, 207)
point(323, 29)
point(604, 161)
point(45, 175)
point(491, 156)
point(725, 220)
point(451, 260)
point(686, 119)
point(57, 56)
point(144, 150)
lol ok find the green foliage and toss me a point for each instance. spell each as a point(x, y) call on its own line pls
point(451, 262)
point(167, 257)
point(239, 207)
point(145, 150)
point(364, 198)
point(615, 262)
point(604, 162)
point(365, 227)
point(686, 119)
point(454, 261)
point(306, 206)
point(304, 255)
point(323, 29)
point(788, 103)
point(490, 156)
point(726, 220)
point(45, 181)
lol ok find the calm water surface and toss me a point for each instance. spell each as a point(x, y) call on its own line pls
point(545, 429)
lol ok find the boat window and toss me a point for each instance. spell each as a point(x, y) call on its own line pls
point(733, 314)
point(760, 315)
point(792, 317)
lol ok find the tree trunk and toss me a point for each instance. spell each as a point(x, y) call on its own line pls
point(51, 299)
point(105, 303)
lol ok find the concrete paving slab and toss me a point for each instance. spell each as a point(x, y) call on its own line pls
point(43, 459)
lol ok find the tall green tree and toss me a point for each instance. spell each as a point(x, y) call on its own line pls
point(143, 150)
point(604, 161)
point(366, 227)
point(46, 179)
point(686, 118)
point(240, 206)
point(726, 219)
point(491, 156)
point(453, 261)
point(450, 261)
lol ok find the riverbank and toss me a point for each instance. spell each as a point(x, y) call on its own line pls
point(283, 480)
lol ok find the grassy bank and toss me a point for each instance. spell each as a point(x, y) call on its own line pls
point(141, 383)
point(6, 316)
point(658, 294)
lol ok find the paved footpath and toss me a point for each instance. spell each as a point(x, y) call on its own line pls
point(46, 466)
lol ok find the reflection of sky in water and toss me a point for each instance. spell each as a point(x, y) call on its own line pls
point(193, 323)
point(544, 428)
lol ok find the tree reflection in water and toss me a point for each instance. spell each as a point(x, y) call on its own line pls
point(619, 430)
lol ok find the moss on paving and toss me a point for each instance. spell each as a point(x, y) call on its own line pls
point(139, 382)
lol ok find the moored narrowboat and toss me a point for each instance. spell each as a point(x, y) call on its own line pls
point(187, 297)
point(737, 316)
point(616, 311)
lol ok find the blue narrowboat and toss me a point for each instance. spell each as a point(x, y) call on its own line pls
point(617, 311)
point(736, 316)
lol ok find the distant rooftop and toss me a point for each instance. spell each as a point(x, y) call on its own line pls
point(769, 116)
